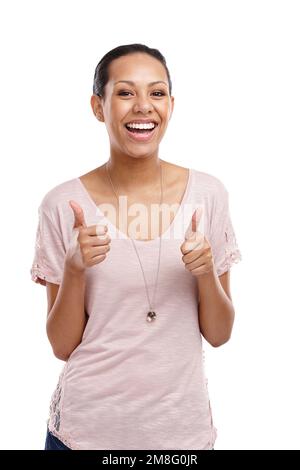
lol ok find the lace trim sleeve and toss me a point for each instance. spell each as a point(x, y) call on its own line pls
point(223, 240)
point(49, 252)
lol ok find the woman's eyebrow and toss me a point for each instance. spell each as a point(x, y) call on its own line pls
point(132, 83)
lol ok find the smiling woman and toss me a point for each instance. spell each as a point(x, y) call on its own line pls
point(134, 375)
point(132, 93)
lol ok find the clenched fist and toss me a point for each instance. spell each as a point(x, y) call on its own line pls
point(196, 250)
point(89, 245)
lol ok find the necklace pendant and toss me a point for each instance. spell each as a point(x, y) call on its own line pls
point(151, 316)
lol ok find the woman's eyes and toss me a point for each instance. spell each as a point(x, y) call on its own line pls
point(121, 93)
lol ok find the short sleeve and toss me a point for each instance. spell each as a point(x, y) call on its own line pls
point(49, 251)
point(223, 241)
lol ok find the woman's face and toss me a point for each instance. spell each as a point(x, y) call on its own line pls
point(137, 101)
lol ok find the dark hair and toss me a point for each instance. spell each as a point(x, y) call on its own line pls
point(101, 71)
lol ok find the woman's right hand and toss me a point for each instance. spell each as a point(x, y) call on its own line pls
point(89, 245)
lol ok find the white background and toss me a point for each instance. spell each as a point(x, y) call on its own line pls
point(235, 72)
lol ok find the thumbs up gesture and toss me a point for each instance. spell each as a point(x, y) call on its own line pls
point(196, 250)
point(89, 245)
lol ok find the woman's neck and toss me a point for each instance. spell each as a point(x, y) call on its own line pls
point(134, 173)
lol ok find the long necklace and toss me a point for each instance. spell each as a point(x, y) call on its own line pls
point(151, 315)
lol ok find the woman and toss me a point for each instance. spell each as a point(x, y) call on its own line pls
point(134, 375)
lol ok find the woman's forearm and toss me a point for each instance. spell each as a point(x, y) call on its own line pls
point(215, 309)
point(67, 319)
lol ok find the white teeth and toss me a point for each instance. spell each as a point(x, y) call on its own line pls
point(149, 125)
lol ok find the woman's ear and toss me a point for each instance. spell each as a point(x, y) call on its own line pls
point(96, 104)
point(172, 106)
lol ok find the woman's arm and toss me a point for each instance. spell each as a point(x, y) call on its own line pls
point(66, 319)
point(215, 308)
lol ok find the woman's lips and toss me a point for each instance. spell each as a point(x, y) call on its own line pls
point(141, 136)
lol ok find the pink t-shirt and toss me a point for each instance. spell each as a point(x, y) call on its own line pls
point(133, 384)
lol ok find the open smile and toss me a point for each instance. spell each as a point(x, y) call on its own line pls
point(141, 132)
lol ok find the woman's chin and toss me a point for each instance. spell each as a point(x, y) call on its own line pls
point(139, 150)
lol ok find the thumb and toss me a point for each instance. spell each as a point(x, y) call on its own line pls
point(193, 226)
point(78, 215)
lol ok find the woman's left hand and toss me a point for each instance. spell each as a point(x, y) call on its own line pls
point(196, 250)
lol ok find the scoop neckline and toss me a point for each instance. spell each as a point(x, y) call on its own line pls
point(122, 235)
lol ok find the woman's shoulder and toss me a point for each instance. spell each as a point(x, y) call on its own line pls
point(209, 183)
point(59, 195)
point(202, 183)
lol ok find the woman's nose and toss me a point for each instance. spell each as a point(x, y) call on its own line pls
point(142, 104)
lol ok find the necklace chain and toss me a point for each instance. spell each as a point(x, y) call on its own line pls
point(159, 256)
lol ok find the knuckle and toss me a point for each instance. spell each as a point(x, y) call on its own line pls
point(104, 238)
point(101, 236)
